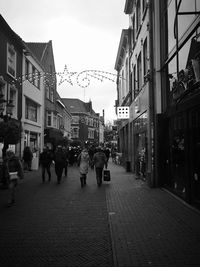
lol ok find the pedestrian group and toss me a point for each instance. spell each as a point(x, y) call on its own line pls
point(94, 157)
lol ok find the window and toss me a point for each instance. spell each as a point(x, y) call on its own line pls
point(26, 69)
point(75, 119)
point(37, 82)
point(51, 94)
point(90, 122)
point(127, 77)
point(12, 97)
point(90, 133)
point(31, 110)
point(2, 93)
point(47, 92)
point(75, 132)
point(11, 60)
point(138, 15)
point(139, 72)
point(59, 121)
point(133, 31)
point(144, 5)
point(145, 65)
point(33, 75)
point(54, 121)
point(135, 91)
point(49, 118)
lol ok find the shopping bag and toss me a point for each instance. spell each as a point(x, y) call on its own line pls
point(106, 175)
point(13, 175)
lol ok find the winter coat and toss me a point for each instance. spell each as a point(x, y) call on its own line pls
point(13, 164)
point(46, 158)
point(99, 159)
point(27, 155)
point(59, 157)
point(84, 158)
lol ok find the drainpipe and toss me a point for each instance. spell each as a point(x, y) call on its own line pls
point(151, 171)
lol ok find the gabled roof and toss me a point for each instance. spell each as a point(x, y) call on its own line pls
point(38, 49)
point(5, 27)
point(75, 105)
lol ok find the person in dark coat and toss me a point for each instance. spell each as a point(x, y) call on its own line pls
point(107, 153)
point(59, 159)
point(27, 158)
point(13, 171)
point(45, 161)
point(100, 161)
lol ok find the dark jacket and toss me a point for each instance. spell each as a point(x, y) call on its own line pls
point(27, 154)
point(46, 158)
point(99, 159)
point(13, 164)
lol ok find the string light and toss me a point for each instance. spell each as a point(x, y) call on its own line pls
point(83, 78)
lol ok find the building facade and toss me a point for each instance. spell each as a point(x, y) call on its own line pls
point(85, 122)
point(11, 54)
point(180, 78)
point(158, 64)
point(52, 132)
point(32, 106)
point(133, 90)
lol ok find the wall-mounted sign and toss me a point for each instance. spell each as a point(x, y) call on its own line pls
point(123, 113)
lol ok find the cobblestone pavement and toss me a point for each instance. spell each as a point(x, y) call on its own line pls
point(150, 227)
point(55, 224)
point(124, 223)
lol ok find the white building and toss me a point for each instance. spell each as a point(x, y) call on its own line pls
point(32, 106)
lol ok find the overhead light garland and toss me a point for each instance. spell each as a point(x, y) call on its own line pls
point(83, 78)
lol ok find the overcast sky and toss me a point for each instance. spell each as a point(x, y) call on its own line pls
point(85, 36)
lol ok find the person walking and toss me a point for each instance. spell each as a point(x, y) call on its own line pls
point(107, 153)
point(66, 153)
point(27, 158)
point(45, 161)
point(59, 159)
point(14, 171)
point(100, 161)
point(83, 162)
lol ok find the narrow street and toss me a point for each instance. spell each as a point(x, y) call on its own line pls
point(122, 223)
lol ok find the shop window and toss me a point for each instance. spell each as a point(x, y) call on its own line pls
point(11, 60)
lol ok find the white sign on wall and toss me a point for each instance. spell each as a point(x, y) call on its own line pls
point(123, 113)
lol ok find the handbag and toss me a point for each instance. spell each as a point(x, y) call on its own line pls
point(106, 175)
